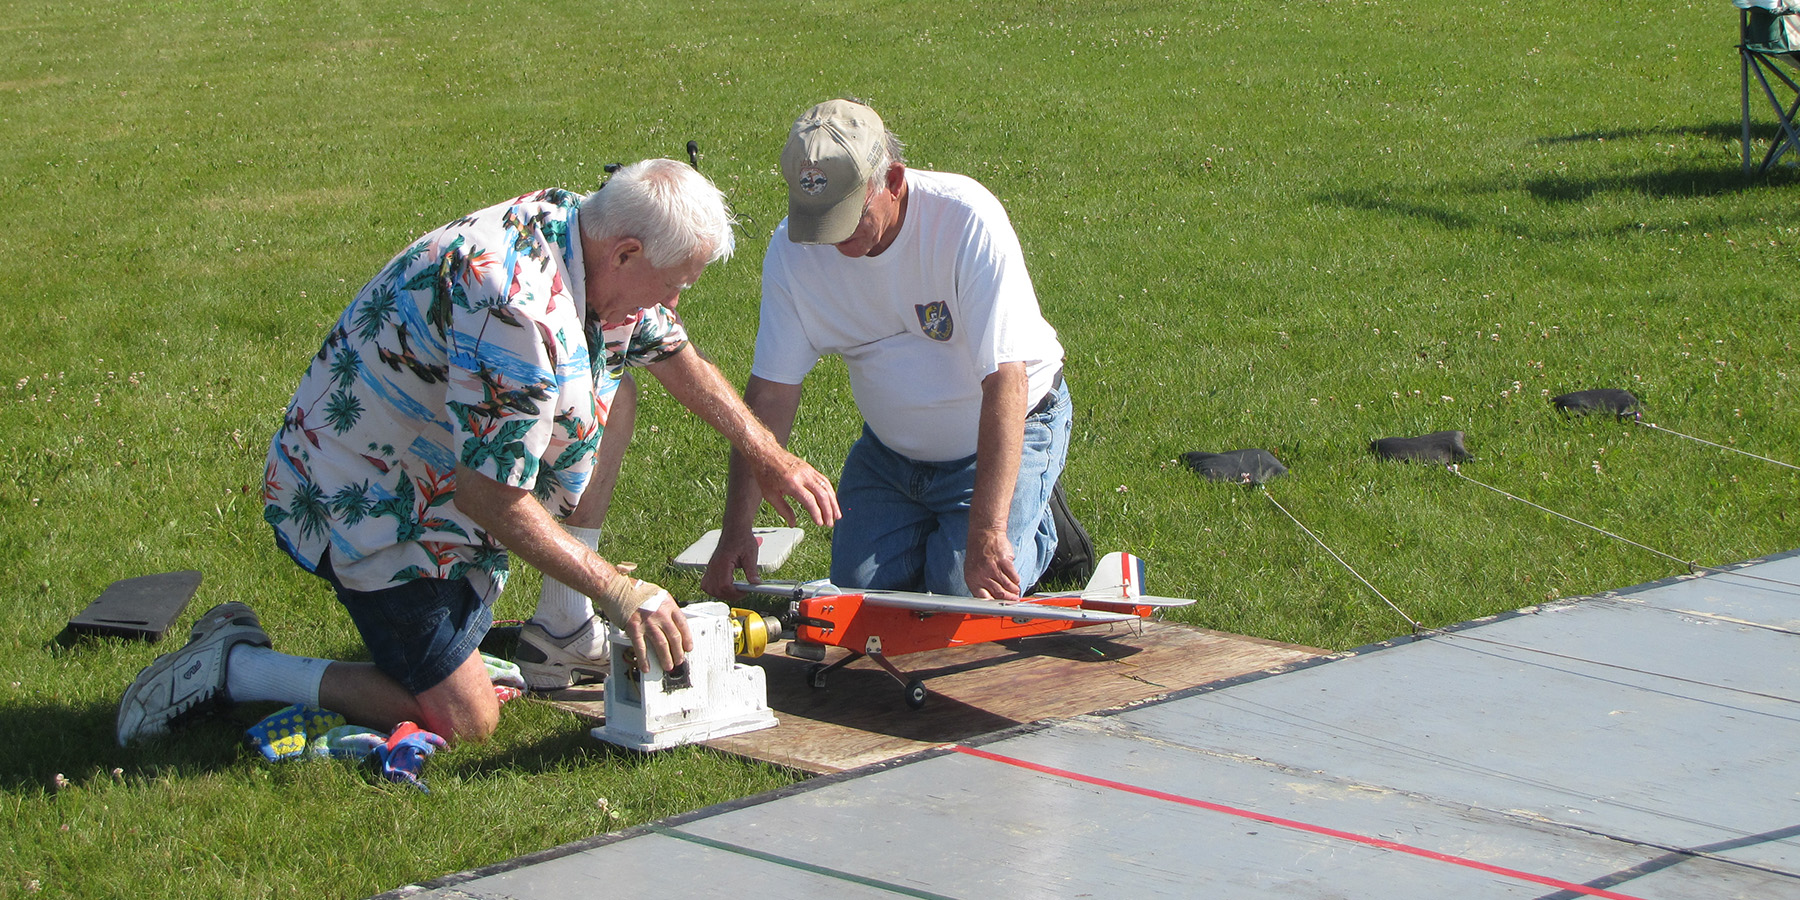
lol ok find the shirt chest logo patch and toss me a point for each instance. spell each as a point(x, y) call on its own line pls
point(934, 317)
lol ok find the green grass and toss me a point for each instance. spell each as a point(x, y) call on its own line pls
point(1296, 226)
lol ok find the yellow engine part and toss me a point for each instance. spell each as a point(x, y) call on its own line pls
point(752, 632)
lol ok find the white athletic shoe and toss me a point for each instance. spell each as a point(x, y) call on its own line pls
point(553, 663)
point(189, 682)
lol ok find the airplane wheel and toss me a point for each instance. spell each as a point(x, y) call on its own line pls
point(815, 675)
point(915, 695)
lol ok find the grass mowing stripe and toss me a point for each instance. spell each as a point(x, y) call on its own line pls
point(792, 863)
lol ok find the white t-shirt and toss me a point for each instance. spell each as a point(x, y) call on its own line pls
point(919, 326)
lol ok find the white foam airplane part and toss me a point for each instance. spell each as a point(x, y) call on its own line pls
point(886, 624)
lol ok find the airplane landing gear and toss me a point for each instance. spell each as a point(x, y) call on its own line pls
point(915, 694)
point(915, 688)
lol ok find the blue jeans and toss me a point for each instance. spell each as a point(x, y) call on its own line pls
point(906, 523)
point(420, 632)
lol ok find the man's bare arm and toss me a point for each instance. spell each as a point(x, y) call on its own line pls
point(776, 405)
point(988, 562)
point(522, 525)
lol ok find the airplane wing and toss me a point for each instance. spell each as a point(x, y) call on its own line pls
point(974, 606)
point(791, 590)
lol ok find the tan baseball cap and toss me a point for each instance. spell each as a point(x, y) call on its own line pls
point(830, 155)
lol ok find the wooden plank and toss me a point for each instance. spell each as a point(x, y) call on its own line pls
point(861, 717)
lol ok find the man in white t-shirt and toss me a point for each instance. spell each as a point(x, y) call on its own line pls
point(917, 280)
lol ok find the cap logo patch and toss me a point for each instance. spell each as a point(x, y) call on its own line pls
point(812, 181)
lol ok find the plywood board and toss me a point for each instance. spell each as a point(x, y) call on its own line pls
point(860, 716)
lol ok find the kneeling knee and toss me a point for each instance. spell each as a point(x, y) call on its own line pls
point(464, 707)
point(466, 724)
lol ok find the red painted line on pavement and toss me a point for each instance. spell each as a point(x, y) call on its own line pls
point(1364, 839)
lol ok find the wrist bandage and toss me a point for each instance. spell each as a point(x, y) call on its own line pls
point(628, 595)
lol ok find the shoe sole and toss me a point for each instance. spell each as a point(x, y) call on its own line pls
point(542, 674)
point(540, 679)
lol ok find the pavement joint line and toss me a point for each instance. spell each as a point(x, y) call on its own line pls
point(1366, 840)
point(801, 865)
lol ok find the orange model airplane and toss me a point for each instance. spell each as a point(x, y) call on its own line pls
point(885, 624)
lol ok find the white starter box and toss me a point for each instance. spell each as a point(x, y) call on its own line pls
point(719, 697)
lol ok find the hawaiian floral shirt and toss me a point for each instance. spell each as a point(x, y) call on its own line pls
point(473, 346)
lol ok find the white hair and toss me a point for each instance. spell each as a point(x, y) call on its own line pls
point(891, 155)
point(675, 211)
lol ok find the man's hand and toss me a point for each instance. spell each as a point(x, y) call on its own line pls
point(728, 558)
point(780, 475)
point(988, 566)
point(652, 621)
point(761, 471)
point(646, 612)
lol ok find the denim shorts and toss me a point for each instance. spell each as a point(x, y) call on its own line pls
point(906, 522)
point(420, 632)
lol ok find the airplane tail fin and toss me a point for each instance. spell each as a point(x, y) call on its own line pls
point(1118, 575)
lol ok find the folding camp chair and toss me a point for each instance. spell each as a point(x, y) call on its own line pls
point(1767, 38)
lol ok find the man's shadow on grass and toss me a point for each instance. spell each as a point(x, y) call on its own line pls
point(1721, 130)
point(78, 742)
point(563, 749)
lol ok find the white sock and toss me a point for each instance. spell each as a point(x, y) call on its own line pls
point(258, 673)
point(561, 609)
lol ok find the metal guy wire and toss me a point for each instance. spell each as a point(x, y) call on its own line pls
point(1416, 627)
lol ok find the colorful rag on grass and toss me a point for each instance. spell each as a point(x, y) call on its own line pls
point(403, 756)
point(284, 734)
point(347, 742)
point(293, 731)
point(503, 672)
point(296, 730)
point(508, 681)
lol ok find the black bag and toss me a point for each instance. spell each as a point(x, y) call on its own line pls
point(1073, 562)
point(1249, 466)
point(1599, 400)
point(1441, 447)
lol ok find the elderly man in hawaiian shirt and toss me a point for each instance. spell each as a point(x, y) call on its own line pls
point(454, 413)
